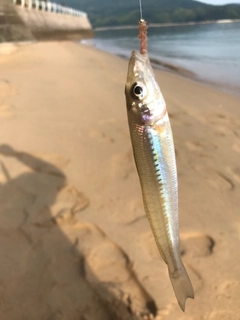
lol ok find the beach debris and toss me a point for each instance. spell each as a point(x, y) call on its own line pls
point(153, 149)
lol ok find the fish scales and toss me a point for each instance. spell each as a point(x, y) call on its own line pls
point(154, 176)
point(154, 154)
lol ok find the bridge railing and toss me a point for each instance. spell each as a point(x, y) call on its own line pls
point(49, 7)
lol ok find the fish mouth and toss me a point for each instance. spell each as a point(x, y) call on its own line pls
point(138, 64)
point(138, 57)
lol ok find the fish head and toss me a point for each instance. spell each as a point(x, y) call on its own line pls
point(143, 96)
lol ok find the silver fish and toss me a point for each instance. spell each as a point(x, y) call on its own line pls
point(154, 154)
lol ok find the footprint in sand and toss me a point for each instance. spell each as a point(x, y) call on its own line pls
point(193, 245)
point(68, 203)
point(108, 270)
point(217, 179)
point(196, 245)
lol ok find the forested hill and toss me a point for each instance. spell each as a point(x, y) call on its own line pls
point(126, 12)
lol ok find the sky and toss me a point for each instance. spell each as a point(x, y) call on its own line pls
point(220, 1)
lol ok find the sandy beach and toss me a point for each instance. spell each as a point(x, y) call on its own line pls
point(75, 243)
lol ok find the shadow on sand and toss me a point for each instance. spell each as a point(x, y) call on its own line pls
point(46, 269)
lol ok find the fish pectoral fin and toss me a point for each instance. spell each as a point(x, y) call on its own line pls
point(181, 285)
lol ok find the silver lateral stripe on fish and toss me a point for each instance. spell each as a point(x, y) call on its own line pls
point(154, 154)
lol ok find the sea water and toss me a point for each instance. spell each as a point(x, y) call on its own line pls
point(210, 51)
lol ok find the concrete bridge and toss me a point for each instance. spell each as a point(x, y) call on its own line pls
point(22, 20)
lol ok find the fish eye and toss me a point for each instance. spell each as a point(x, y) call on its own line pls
point(138, 90)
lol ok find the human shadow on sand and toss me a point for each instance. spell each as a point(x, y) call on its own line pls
point(48, 266)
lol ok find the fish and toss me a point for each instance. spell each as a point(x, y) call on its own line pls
point(154, 154)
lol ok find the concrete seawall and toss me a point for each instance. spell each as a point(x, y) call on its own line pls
point(44, 25)
point(12, 28)
point(19, 23)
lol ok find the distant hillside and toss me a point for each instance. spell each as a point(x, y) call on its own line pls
point(126, 12)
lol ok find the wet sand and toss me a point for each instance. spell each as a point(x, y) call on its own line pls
point(74, 239)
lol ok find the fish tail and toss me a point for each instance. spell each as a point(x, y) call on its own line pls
point(181, 285)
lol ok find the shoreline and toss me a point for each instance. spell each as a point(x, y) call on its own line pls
point(162, 25)
point(175, 69)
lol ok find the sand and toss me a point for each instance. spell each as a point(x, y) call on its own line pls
point(74, 239)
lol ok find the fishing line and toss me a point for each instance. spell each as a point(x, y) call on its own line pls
point(140, 5)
